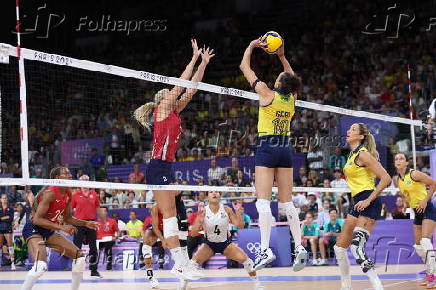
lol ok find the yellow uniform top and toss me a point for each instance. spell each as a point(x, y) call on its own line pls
point(413, 191)
point(359, 178)
point(134, 229)
point(275, 118)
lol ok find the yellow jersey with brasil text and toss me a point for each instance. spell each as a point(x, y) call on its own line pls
point(413, 191)
point(275, 118)
point(359, 178)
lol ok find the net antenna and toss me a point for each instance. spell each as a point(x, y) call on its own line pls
point(412, 128)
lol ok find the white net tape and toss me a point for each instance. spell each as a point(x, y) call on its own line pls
point(8, 50)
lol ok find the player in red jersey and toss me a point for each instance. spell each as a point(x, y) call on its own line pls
point(166, 109)
point(52, 212)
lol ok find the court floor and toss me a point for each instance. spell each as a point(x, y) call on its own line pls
point(402, 276)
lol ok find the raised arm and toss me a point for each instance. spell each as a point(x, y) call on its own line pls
point(265, 93)
point(206, 55)
point(284, 61)
point(424, 178)
point(187, 73)
point(366, 159)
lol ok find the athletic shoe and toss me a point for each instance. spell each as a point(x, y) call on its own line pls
point(300, 258)
point(424, 280)
point(154, 283)
point(185, 273)
point(95, 274)
point(315, 262)
point(13, 267)
point(323, 262)
point(431, 284)
point(194, 270)
point(263, 258)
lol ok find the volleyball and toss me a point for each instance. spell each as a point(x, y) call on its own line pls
point(272, 40)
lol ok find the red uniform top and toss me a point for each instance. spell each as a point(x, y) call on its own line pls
point(149, 221)
point(57, 207)
point(86, 206)
point(191, 221)
point(107, 229)
point(166, 136)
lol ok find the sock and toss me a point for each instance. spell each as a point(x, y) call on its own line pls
point(185, 254)
point(177, 256)
point(427, 246)
point(38, 269)
point(77, 277)
point(265, 222)
point(343, 263)
point(374, 279)
point(293, 222)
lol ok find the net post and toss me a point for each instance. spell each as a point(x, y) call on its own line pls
point(23, 100)
point(412, 127)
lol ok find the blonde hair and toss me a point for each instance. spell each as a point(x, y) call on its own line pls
point(142, 114)
point(368, 140)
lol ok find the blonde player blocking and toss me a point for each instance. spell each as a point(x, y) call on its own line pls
point(215, 220)
point(361, 169)
point(274, 153)
point(412, 187)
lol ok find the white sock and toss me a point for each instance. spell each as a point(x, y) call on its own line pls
point(374, 279)
point(34, 274)
point(77, 278)
point(178, 257)
point(293, 222)
point(343, 263)
point(265, 222)
point(427, 246)
point(185, 254)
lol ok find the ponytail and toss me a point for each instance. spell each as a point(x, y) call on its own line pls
point(142, 114)
point(369, 141)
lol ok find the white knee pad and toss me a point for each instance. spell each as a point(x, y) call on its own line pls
point(263, 205)
point(248, 265)
point(170, 227)
point(78, 265)
point(146, 251)
point(38, 269)
point(11, 250)
point(340, 253)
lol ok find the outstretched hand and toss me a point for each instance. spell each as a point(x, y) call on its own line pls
point(257, 43)
point(207, 54)
point(195, 50)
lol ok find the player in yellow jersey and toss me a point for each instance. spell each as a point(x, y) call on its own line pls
point(361, 169)
point(412, 187)
point(273, 158)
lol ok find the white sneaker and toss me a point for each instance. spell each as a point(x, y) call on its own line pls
point(154, 283)
point(315, 262)
point(263, 258)
point(300, 258)
point(194, 271)
point(13, 267)
point(185, 273)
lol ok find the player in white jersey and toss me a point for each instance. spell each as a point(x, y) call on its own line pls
point(215, 220)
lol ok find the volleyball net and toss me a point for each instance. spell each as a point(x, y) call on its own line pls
point(78, 113)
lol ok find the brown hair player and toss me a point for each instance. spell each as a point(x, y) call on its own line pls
point(215, 219)
point(166, 109)
point(412, 187)
point(52, 212)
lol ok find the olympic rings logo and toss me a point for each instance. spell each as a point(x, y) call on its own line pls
point(253, 248)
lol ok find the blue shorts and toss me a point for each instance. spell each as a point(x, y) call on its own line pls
point(218, 247)
point(428, 214)
point(373, 211)
point(31, 230)
point(159, 172)
point(274, 151)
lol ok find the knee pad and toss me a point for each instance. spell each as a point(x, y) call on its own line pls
point(248, 265)
point(78, 265)
point(263, 205)
point(183, 243)
point(341, 253)
point(146, 251)
point(170, 227)
point(11, 250)
point(183, 226)
point(38, 269)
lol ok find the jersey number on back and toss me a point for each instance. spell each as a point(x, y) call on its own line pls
point(280, 126)
point(217, 230)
